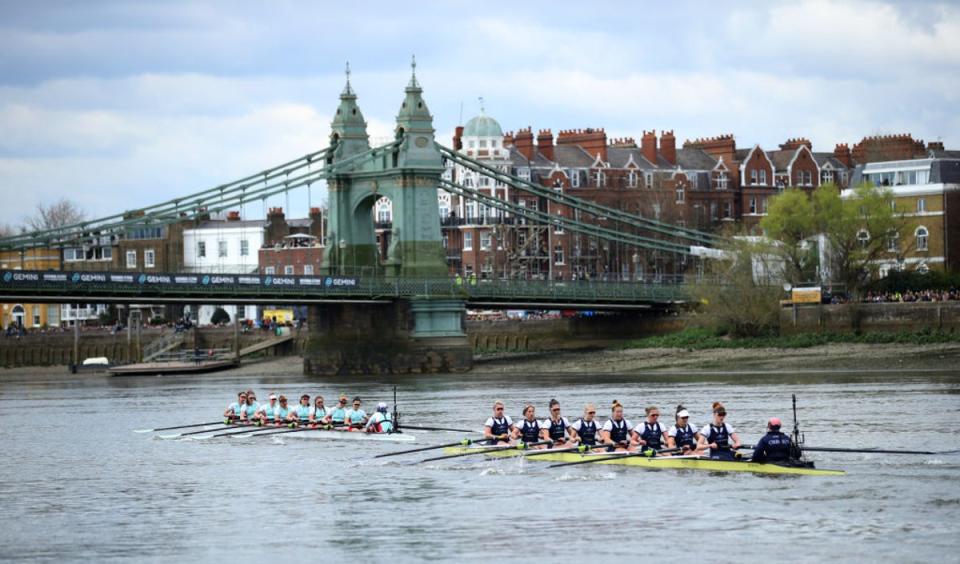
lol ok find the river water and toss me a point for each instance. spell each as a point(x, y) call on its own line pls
point(77, 484)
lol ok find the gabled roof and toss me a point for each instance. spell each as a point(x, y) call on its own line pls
point(828, 158)
point(690, 158)
point(781, 159)
point(572, 156)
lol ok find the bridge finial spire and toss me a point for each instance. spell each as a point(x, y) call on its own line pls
point(348, 89)
point(481, 104)
point(413, 72)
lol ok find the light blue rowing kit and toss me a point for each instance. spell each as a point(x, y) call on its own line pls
point(357, 415)
point(303, 412)
point(269, 411)
point(283, 412)
point(252, 408)
point(319, 414)
point(236, 409)
point(338, 415)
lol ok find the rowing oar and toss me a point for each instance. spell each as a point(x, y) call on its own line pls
point(648, 452)
point(177, 427)
point(294, 430)
point(418, 428)
point(267, 427)
point(518, 446)
point(578, 448)
point(202, 431)
point(876, 451)
point(463, 442)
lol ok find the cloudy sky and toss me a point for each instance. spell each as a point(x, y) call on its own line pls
point(117, 105)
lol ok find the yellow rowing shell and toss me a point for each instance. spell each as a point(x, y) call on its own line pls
point(660, 462)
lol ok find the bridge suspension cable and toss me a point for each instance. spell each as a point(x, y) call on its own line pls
point(566, 222)
point(699, 237)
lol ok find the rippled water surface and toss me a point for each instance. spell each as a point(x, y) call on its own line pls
point(77, 484)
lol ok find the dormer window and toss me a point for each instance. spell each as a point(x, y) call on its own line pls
point(722, 181)
point(632, 179)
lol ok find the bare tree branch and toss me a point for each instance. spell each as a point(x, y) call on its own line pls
point(58, 214)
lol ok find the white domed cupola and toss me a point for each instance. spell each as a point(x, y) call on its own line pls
point(483, 137)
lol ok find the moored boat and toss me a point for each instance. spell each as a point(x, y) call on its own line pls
point(660, 462)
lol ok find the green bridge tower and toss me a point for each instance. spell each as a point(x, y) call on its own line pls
point(415, 335)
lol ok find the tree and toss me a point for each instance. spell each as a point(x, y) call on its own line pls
point(6, 230)
point(791, 221)
point(61, 213)
point(856, 230)
point(220, 317)
point(741, 295)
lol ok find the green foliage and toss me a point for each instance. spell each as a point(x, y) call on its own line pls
point(902, 281)
point(220, 317)
point(109, 317)
point(842, 222)
point(699, 339)
point(746, 303)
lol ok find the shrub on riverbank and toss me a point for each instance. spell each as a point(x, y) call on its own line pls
point(708, 339)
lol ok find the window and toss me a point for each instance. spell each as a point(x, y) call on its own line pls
point(558, 254)
point(524, 173)
point(656, 211)
point(107, 253)
point(558, 224)
point(753, 176)
point(763, 204)
point(53, 315)
point(922, 237)
point(679, 194)
point(713, 211)
point(763, 177)
point(827, 177)
point(722, 181)
point(600, 179)
point(727, 213)
point(308, 270)
point(921, 205)
point(648, 179)
point(574, 178)
point(893, 243)
point(753, 205)
point(131, 259)
point(36, 315)
point(446, 240)
point(244, 248)
point(486, 241)
point(201, 249)
point(468, 240)
point(483, 143)
point(222, 249)
point(383, 215)
point(149, 258)
point(864, 238)
point(71, 255)
point(270, 270)
point(288, 270)
point(632, 179)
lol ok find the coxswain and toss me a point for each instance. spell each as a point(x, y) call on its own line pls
point(499, 426)
point(615, 432)
point(719, 436)
point(557, 427)
point(319, 415)
point(267, 413)
point(774, 446)
point(380, 421)
point(283, 411)
point(237, 411)
point(338, 415)
point(300, 415)
point(585, 428)
point(649, 433)
point(683, 434)
point(527, 429)
point(356, 417)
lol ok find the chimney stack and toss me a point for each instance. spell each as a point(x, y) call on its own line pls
point(458, 138)
point(545, 143)
point(523, 141)
point(648, 146)
point(233, 216)
point(842, 153)
point(316, 223)
point(277, 227)
point(668, 147)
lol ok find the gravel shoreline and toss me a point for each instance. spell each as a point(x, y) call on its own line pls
point(833, 357)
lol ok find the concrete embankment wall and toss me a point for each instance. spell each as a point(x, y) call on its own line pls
point(870, 317)
point(36, 349)
point(567, 334)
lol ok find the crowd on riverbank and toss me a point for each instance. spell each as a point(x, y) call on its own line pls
point(910, 296)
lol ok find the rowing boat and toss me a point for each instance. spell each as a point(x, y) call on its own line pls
point(323, 434)
point(662, 462)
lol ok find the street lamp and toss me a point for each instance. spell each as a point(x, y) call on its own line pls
point(341, 267)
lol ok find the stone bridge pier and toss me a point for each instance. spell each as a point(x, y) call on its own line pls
point(400, 337)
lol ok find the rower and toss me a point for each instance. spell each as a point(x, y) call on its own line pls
point(557, 427)
point(585, 428)
point(267, 413)
point(528, 428)
point(499, 426)
point(301, 414)
point(252, 405)
point(615, 432)
point(319, 415)
point(774, 446)
point(283, 412)
point(718, 434)
point(683, 434)
point(339, 413)
point(380, 421)
point(237, 411)
point(649, 433)
point(356, 417)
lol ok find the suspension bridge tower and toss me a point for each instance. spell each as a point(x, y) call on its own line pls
point(420, 334)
